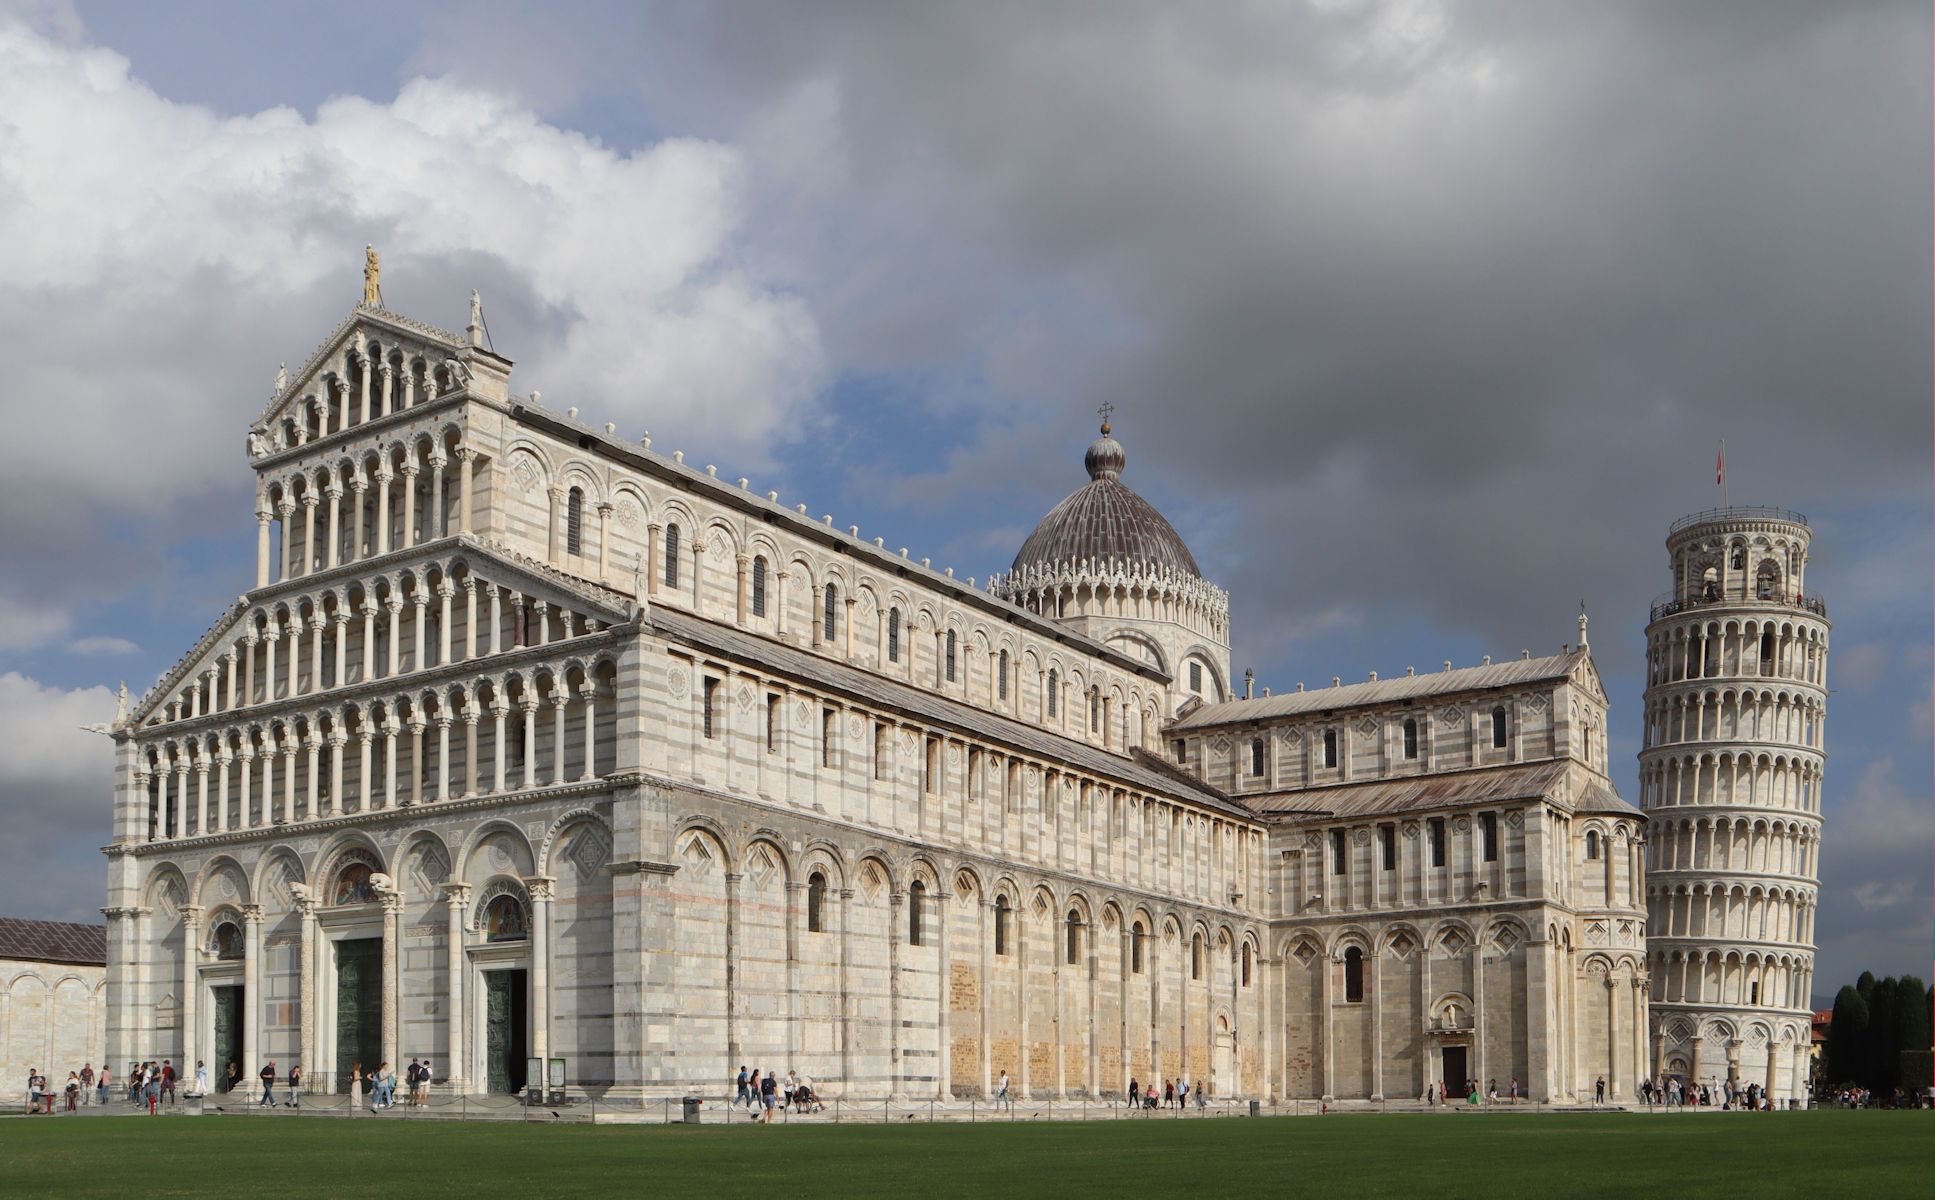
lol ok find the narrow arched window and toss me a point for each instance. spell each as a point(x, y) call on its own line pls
point(830, 619)
point(916, 905)
point(1094, 709)
point(1246, 964)
point(1003, 684)
point(1054, 686)
point(1330, 747)
point(1001, 914)
point(671, 556)
point(1073, 951)
point(1592, 843)
point(1256, 757)
point(574, 522)
point(759, 586)
point(1196, 956)
point(1353, 976)
point(951, 642)
point(1410, 737)
point(893, 635)
point(1136, 935)
point(1498, 728)
point(816, 903)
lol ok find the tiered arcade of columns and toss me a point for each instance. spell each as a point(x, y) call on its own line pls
point(1730, 777)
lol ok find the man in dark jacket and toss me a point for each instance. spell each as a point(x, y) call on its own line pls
point(268, 1085)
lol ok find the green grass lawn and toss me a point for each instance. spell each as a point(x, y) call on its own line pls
point(1419, 1157)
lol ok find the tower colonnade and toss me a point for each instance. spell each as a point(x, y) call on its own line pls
point(1733, 752)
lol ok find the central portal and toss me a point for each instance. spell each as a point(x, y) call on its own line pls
point(506, 1020)
point(359, 1008)
point(1455, 1065)
point(228, 1037)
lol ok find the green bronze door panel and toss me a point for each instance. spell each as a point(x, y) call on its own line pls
point(228, 1038)
point(506, 1043)
point(359, 1007)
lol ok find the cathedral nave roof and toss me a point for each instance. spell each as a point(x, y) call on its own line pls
point(1517, 672)
point(1454, 789)
point(895, 697)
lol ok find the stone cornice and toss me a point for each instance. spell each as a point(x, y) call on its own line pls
point(394, 419)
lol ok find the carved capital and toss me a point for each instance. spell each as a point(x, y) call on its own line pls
point(540, 887)
point(253, 914)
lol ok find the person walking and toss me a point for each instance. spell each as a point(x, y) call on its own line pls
point(1202, 1098)
point(1182, 1095)
point(152, 1089)
point(73, 1090)
point(1001, 1094)
point(103, 1085)
point(423, 1084)
point(267, 1076)
point(791, 1086)
point(167, 1081)
point(1168, 1093)
point(1599, 1091)
point(1135, 1092)
point(355, 1087)
point(87, 1084)
point(768, 1089)
point(201, 1077)
point(295, 1087)
point(739, 1095)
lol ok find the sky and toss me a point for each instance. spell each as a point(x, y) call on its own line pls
point(1421, 321)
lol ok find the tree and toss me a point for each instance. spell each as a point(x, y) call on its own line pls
point(1847, 1042)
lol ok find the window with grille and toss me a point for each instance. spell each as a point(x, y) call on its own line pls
point(950, 655)
point(893, 635)
point(830, 619)
point(759, 586)
point(671, 556)
point(574, 522)
point(1054, 686)
point(707, 696)
point(1003, 684)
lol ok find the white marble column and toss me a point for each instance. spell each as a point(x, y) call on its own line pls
point(252, 917)
point(191, 953)
point(306, 986)
point(392, 902)
point(456, 898)
point(540, 889)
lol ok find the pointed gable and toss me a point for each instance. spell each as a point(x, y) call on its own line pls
point(419, 356)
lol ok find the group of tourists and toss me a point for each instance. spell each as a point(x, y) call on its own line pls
point(767, 1092)
point(42, 1092)
point(1174, 1094)
point(293, 1081)
point(1441, 1092)
point(1672, 1093)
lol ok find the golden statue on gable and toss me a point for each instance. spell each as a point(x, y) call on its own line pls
point(372, 278)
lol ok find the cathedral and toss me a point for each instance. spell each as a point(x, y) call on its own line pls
point(533, 744)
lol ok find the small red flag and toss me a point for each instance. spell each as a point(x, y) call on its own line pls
point(1720, 465)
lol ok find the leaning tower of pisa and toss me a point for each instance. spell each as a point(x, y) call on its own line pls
point(1730, 778)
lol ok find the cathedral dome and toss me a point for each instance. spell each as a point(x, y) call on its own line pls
point(1104, 522)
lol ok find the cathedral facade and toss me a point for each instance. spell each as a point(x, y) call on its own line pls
point(531, 742)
